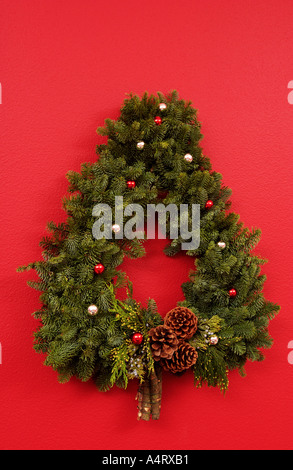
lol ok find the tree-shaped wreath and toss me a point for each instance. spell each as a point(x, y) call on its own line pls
point(151, 163)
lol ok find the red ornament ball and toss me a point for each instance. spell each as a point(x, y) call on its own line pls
point(99, 268)
point(232, 292)
point(137, 338)
point(209, 204)
point(158, 120)
point(130, 184)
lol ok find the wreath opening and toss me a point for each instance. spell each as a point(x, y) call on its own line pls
point(152, 155)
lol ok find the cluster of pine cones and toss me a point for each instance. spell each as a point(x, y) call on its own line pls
point(169, 341)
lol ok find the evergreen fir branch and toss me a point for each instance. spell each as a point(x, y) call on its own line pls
point(37, 285)
point(211, 368)
point(102, 378)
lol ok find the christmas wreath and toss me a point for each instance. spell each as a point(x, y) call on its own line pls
point(87, 330)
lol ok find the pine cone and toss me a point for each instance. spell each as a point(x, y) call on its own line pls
point(183, 358)
point(163, 342)
point(182, 321)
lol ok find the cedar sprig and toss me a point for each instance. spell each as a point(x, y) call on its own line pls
point(133, 318)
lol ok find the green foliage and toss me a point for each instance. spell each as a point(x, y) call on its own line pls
point(99, 347)
point(134, 318)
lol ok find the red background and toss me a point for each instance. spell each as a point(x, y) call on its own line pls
point(65, 67)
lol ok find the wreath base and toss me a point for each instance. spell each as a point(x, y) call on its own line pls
point(152, 156)
point(149, 396)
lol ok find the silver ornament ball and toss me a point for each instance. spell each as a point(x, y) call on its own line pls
point(214, 340)
point(92, 309)
point(222, 245)
point(162, 106)
point(116, 228)
point(188, 158)
point(140, 144)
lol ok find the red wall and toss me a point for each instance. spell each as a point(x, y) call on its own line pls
point(65, 67)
